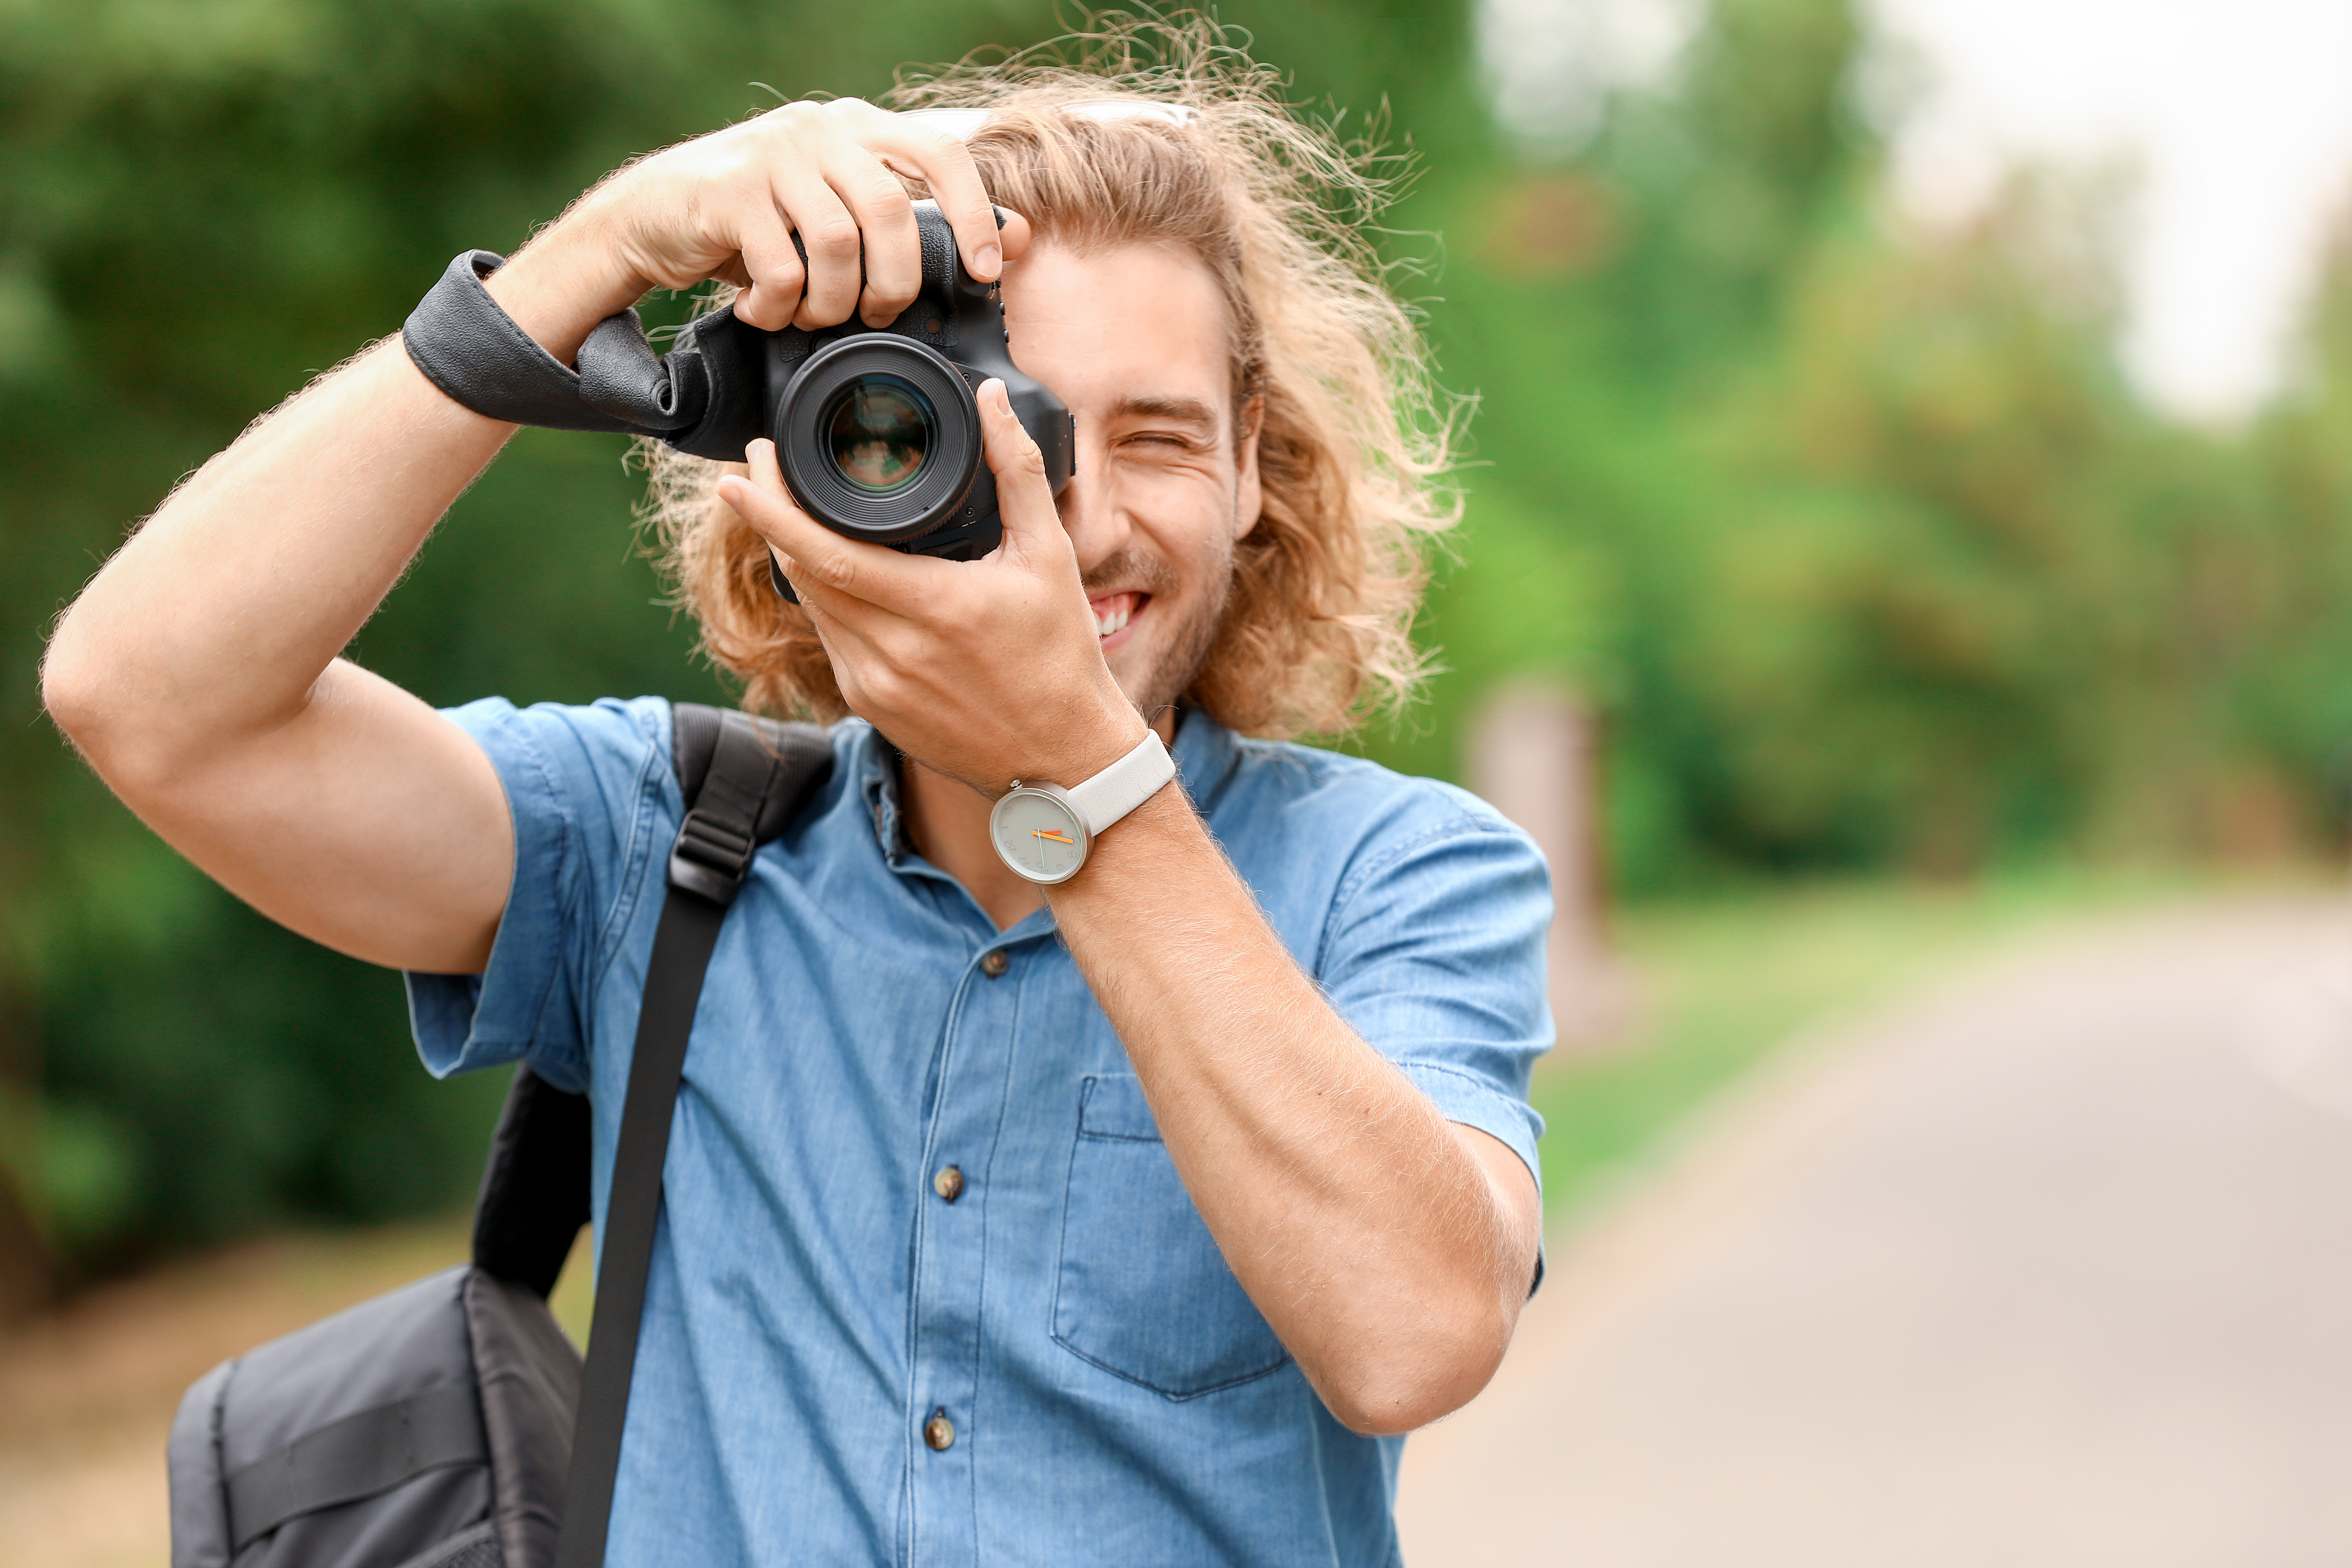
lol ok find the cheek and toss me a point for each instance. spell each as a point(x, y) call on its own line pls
point(1187, 516)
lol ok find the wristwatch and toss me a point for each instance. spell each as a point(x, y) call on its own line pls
point(1043, 831)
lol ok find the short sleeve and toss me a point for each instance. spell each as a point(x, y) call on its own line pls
point(582, 785)
point(1435, 955)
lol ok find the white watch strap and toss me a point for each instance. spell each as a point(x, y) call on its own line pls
point(1124, 785)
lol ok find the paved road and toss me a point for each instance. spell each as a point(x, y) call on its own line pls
point(2053, 1266)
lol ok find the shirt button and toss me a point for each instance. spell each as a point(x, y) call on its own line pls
point(948, 1183)
point(939, 1432)
point(995, 965)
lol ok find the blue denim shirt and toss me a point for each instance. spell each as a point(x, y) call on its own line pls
point(814, 1300)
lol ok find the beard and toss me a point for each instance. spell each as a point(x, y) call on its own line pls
point(1189, 642)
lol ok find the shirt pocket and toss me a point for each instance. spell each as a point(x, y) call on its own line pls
point(1141, 1289)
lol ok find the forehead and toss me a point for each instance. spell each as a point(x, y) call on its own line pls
point(1122, 323)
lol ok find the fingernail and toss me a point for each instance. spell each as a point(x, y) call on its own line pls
point(987, 263)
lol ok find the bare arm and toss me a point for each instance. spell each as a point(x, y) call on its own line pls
point(199, 670)
point(1389, 1248)
point(198, 673)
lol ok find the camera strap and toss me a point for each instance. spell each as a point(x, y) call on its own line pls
point(742, 778)
point(701, 397)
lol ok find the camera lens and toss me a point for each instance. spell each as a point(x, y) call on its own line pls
point(878, 432)
point(880, 437)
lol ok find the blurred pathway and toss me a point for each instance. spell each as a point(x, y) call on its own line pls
point(2053, 1266)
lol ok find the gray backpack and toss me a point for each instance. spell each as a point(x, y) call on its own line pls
point(450, 1423)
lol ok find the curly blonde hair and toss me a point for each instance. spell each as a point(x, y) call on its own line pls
point(1316, 632)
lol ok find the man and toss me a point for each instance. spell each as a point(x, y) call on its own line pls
point(1126, 1219)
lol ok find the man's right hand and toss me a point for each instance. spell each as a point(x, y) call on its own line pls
point(198, 671)
point(727, 205)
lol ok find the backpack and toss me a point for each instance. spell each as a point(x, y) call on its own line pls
point(450, 1423)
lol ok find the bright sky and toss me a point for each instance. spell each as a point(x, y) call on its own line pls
point(2237, 115)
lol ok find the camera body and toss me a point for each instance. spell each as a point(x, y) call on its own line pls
point(876, 430)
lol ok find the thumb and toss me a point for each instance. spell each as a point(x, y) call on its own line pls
point(1033, 528)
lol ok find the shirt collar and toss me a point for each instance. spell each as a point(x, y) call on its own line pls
point(1206, 752)
point(876, 764)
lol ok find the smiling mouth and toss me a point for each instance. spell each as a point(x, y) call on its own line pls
point(1112, 612)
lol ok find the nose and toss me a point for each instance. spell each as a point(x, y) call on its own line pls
point(1091, 515)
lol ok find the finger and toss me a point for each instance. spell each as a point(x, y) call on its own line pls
point(851, 655)
point(857, 636)
point(770, 269)
point(836, 633)
point(828, 234)
point(822, 602)
point(885, 215)
point(944, 164)
point(1023, 496)
point(838, 570)
point(877, 199)
point(835, 615)
point(1014, 235)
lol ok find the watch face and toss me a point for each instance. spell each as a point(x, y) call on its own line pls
point(1038, 836)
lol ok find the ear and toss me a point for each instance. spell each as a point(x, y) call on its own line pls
point(1249, 495)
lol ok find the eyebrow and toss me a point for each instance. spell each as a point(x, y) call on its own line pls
point(1183, 410)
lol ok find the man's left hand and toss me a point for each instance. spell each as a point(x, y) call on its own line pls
point(984, 670)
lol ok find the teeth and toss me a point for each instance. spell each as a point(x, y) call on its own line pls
point(1105, 626)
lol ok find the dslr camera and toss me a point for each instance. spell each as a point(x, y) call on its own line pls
point(876, 429)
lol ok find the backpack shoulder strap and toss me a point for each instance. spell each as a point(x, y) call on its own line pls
point(743, 778)
point(757, 773)
point(535, 1186)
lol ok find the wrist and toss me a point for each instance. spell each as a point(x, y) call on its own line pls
point(558, 286)
point(1088, 747)
point(1150, 840)
point(1046, 832)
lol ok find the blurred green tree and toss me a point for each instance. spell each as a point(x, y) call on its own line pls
point(1855, 534)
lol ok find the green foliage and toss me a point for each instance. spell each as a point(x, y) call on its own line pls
point(1858, 539)
point(1603, 312)
point(1976, 601)
point(1723, 187)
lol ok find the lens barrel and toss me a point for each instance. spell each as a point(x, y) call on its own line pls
point(880, 437)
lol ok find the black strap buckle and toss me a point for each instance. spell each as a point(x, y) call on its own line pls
point(710, 855)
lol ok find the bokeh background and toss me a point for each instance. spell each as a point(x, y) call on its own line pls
point(1860, 435)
